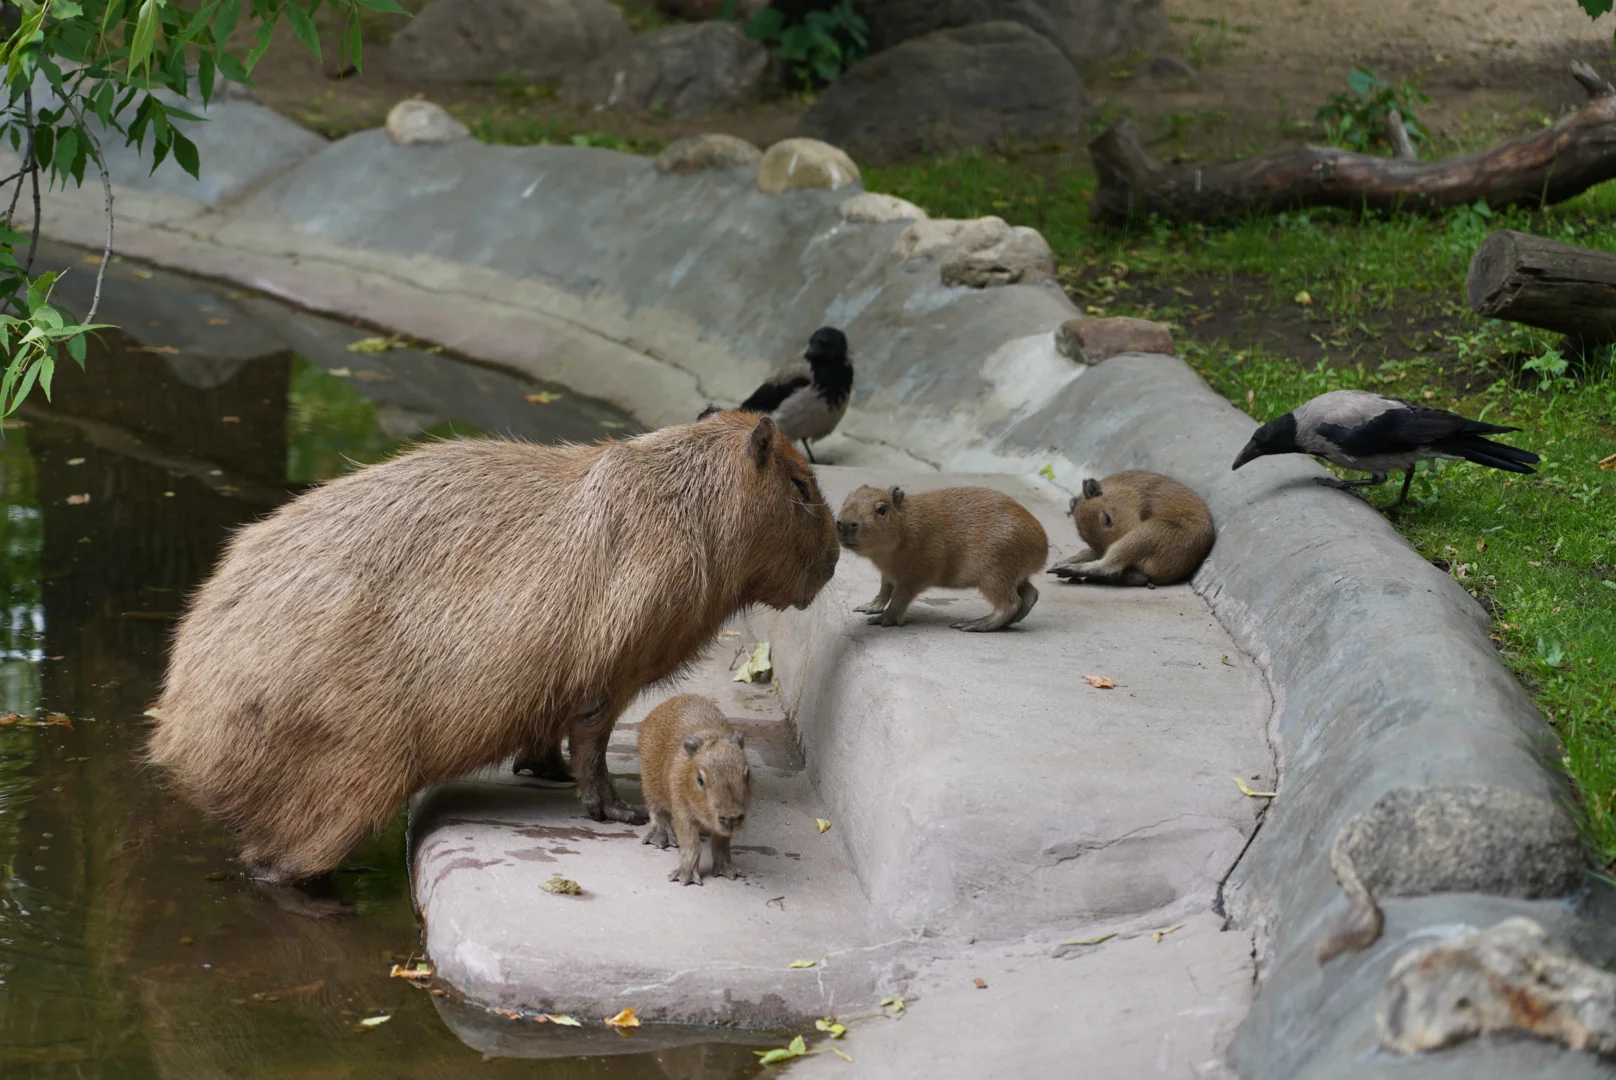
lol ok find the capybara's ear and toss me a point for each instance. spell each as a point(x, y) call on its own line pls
point(740, 740)
point(692, 744)
point(762, 441)
point(897, 497)
point(1071, 507)
point(1091, 489)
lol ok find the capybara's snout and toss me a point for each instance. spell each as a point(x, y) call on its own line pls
point(827, 570)
point(847, 532)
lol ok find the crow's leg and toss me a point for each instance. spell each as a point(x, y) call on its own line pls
point(1350, 485)
point(1408, 478)
point(809, 451)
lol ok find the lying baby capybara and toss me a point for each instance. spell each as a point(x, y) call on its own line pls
point(1141, 528)
point(694, 773)
point(464, 602)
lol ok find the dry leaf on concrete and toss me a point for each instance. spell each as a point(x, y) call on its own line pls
point(802, 963)
point(1244, 790)
point(822, 824)
point(624, 1019)
point(1100, 682)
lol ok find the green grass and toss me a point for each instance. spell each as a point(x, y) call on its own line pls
point(1277, 308)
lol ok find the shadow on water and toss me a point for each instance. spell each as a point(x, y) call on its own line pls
point(128, 948)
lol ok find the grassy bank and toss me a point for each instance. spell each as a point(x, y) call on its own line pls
point(1276, 309)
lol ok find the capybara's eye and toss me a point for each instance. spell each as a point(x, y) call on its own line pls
point(881, 510)
point(802, 489)
point(701, 778)
point(1107, 518)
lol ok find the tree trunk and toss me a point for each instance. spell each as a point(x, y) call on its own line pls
point(1545, 166)
point(1527, 279)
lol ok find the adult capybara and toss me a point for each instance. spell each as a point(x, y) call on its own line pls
point(464, 602)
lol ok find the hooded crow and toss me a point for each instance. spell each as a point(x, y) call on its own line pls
point(1359, 430)
point(808, 396)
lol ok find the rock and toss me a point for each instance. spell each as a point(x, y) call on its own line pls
point(932, 236)
point(1507, 978)
point(419, 123)
point(1083, 30)
point(873, 209)
point(479, 41)
point(1471, 838)
point(975, 86)
point(1170, 67)
point(1093, 341)
point(681, 71)
point(698, 153)
point(709, 9)
point(804, 163)
point(1021, 256)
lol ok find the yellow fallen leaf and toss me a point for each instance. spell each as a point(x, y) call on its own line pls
point(418, 973)
point(543, 397)
point(624, 1019)
point(57, 719)
point(1159, 934)
point(1608, 463)
point(980, 984)
point(822, 824)
point(562, 886)
point(1048, 473)
point(375, 1021)
point(896, 1001)
point(802, 963)
point(1303, 298)
point(340, 372)
point(845, 1057)
point(75, 461)
point(94, 260)
point(509, 1014)
point(1227, 661)
point(1100, 682)
point(831, 1027)
point(564, 1021)
point(1091, 940)
point(10, 718)
point(375, 345)
point(758, 667)
point(1244, 790)
point(141, 273)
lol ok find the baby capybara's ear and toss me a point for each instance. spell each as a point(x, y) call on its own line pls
point(762, 443)
point(692, 744)
point(897, 497)
point(1091, 489)
point(1071, 507)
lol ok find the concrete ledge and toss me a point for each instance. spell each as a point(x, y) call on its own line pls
point(658, 293)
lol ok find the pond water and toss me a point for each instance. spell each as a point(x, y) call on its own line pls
point(128, 946)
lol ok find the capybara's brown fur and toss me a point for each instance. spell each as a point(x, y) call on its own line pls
point(695, 776)
point(1141, 528)
point(464, 602)
point(955, 538)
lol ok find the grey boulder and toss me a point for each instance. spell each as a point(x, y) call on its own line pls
point(479, 41)
point(682, 71)
point(1084, 30)
point(975, 86)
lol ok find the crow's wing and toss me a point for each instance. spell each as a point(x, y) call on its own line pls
point(772, 394)
point(1397, 431)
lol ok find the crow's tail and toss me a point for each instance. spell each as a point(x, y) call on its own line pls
point(1492, 454)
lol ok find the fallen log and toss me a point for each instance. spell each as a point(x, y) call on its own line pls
point(1539, 282)
point(1546, 166)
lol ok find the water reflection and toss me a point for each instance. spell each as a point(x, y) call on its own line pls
point(127, 947)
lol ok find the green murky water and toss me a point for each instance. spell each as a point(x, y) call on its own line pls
point(128, 948)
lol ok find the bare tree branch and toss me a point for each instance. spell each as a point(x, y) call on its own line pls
point(33, 236)
point(1397, 135)
point(1591, 80)
point(106, 186)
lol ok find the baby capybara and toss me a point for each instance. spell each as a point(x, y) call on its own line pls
point(955, 538)
point(695, 776)
point(1141, 528)
point(464, 602)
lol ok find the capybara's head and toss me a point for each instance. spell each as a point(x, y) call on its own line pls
point(1102, 518)
point(869, 521)
point(716, 765)
point(783, 535)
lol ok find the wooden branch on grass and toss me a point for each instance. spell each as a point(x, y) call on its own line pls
point(1528, 279)
point(1543, 167)
point(1397, 135)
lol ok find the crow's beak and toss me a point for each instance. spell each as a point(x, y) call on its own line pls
point(1251, 451)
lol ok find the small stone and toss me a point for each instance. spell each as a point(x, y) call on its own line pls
point(420, 123)
point(1021, 255)
point(1093, 341)
point(792, 164)
point(1508, 978)
point(933, 236)
point(873, 209)
point(1170, 67)
point(698, 153)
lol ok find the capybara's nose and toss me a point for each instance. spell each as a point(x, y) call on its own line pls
point(847, 530)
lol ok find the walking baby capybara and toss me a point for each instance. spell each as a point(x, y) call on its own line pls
point(696, 779)
point(464, 602)
point(1142, 528)
point(956, 538)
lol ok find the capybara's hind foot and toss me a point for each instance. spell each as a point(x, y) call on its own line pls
point(550, 765)
point(312, 899)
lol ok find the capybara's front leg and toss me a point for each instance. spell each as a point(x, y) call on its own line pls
point(879, 604)
point(723, 862)
point(689, 836)
point(588, 733)
point(550, 764)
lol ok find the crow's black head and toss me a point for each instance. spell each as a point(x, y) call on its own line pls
point(827, 348)
point(1274, 437)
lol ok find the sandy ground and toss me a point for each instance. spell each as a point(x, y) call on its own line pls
point(1263, 69)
